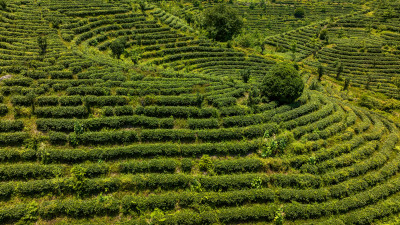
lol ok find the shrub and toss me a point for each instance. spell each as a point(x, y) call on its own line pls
point(323, 34)
point(3, 4)
point(222, 22)
point(245, 74)
point(118, 47)
point(42, 42)
point(3, 109)
point(282, 83)
point(206, 165)
point(299, 13)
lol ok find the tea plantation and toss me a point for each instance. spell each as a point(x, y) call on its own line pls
point(132, 112)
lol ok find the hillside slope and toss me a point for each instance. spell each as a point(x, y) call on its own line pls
point(170, 134)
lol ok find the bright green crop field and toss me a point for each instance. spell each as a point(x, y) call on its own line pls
point(132, 112)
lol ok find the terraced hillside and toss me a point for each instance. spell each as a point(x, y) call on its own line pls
point(177, 137)
point(365, 43)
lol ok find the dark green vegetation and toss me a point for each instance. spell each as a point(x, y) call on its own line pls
point(222, 22)
point(126, 112)
point(283, 84)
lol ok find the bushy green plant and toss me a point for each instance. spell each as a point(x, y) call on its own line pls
point(312, 160)
point(254, 97)
point(42, 42)
point(279, 216)
point(346, 84)
point(276, 144)
point(78, 174)
point(314, 85)
point(3, 4)
point(323, 34)
point(206, 164)
point(245, 40)
point(118, 47)
point(299, 13)
point(157, 216)
point(256, 183)
point(222, 22)
point(195, 186)
point(245, 74)
point(321, 71)
point(282, 83)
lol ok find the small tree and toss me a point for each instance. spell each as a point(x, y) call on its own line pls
point(42, 42)
point(196, 3)
point(293, 47)
point(118, 47)
point(346, 84)
point(263, 4)
point(323, 34)
point(245, 74)
point(299, 13)
point(55, 22)
point(3, 4)
point(321, 71)
point(142, 5)
point(222, 22)
point(282, 83)
point(252, 6)
point(339, 70)
point(254, 96)
point(369, 81)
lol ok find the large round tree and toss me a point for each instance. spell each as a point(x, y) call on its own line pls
point(222, 22)
point(282, 83)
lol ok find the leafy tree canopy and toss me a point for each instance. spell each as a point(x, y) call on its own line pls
point(299, 13)
point(118, 47)
point(222, 22)
point(282, 83)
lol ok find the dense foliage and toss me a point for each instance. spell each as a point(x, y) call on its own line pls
point(283, 83)
point(222, 22)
